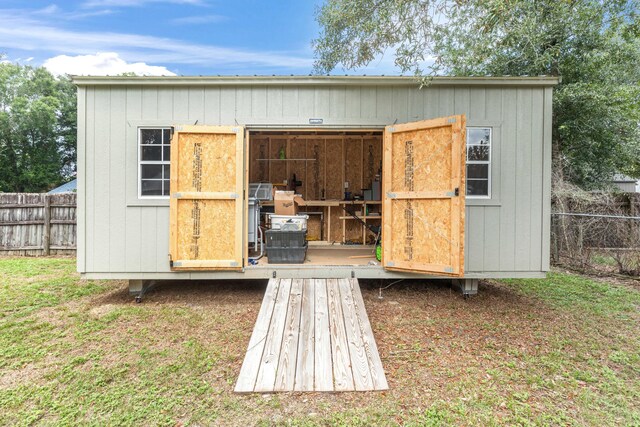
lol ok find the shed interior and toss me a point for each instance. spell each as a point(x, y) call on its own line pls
point(337, 174)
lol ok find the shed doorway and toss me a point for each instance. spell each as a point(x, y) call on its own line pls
point(338, 176)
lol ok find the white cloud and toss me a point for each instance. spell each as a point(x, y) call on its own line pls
point(29, 34)
point(53, 11)
point(198, 19)
point(137, 3)
point(101, 64)
point(48, 10)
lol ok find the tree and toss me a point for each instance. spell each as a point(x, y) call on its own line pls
point(591, 44)
point(37, 129)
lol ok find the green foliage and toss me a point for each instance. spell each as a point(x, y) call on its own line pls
point(592, 45)
point(37, 129)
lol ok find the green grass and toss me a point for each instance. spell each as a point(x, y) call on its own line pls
point(29, 284)
point(558, 351)
point(580, 294)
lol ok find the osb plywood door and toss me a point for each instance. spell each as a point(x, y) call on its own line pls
point(207, 203)
point(423, 207)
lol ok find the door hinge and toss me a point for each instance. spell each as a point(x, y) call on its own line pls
point(274, 274)
point(457, 191)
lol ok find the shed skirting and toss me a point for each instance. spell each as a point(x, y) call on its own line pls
point(283, 272)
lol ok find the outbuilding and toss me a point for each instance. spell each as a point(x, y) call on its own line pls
point(169, 168)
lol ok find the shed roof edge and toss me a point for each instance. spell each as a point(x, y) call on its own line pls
point(309, 80)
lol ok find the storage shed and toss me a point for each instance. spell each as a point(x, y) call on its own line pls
point(165, 166)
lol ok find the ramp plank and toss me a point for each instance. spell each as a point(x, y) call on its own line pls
point(269, 364)
point(323, 362)
point(304, 369)
point(342, 374)
point(247, 378)
point(378, 377)
point(359, 362)
point(286, 371)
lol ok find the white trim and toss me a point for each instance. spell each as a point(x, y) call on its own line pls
point(480, 162)
point(516, 81)
point(150, 162)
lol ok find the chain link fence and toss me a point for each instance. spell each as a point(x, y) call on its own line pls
point(596, 230)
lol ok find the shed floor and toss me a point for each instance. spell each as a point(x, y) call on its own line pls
point(312, 335)
point(334, 255)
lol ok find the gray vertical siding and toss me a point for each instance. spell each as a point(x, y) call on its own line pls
point(117, 233)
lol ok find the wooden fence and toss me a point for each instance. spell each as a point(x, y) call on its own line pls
point(37, 224)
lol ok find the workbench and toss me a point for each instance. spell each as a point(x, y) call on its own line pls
point(327, 205)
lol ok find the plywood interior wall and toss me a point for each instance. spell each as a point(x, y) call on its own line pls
point(322, 162)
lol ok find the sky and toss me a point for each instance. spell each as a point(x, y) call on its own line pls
point(165, 37)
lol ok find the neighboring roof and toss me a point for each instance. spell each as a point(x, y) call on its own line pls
point(69, 187)
point(311, 80)
point(623, 178)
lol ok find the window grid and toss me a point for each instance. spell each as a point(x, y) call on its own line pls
point(146, 187)
point(487, 162)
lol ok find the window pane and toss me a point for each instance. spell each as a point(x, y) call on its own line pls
point(477, 171)
point(167, 186)
point(150, 136)
point(166, 136)
point(167, 168)
point(478, 136)
point(478, 187)
point(166, 152)
point(151, 188)
point(151, 153)
point(151, 171)
point(478, 152)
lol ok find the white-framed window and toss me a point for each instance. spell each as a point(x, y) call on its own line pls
point(479, 162)
point(154, 160)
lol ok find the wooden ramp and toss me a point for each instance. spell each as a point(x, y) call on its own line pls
point(312, 335)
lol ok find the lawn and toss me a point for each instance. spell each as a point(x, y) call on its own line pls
point(559, 351)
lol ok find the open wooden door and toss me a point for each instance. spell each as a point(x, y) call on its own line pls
point(207, 198)
point(423, 201)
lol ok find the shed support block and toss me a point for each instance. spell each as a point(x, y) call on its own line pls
point(466, 286)
point(138, 288)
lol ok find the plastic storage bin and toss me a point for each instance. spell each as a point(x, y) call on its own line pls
point(286, 239)
point(286, 247)
point(286, 255)
point(289, 222)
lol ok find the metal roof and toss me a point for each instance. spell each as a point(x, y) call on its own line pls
point(69, 187)
point(309, 80)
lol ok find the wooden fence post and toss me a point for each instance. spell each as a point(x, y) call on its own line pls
point(46, 231)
